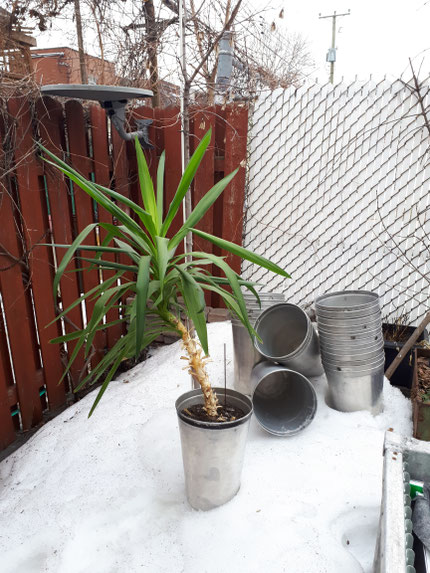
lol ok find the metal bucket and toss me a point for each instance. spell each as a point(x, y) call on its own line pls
point(352, 358)
point(353, 368)
point(245, 356)
point(345, 347)
point(362, 337)
point(284, 401)
point(288, 337)
point(212, 452)
point(347, 303)
point(351, 327)
point(356, 391)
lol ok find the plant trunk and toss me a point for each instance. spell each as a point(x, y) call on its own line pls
point(197, 367)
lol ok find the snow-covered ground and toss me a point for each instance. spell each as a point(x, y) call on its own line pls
point(106, 495)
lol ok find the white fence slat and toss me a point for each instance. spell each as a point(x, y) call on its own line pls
point(326, 163)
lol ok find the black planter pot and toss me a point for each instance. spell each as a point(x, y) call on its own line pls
point(403, 376)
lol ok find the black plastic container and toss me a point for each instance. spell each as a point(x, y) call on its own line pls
point(403, 376)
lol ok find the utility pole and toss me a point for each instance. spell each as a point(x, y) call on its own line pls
point(331, 54)
point(84, 78)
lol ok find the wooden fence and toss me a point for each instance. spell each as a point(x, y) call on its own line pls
point(37, 205)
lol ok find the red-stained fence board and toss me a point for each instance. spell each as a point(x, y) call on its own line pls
point(50, 116)
point(158, 140)
point(8, 393)
point(121, 180)
point(218, 207)
point(7, 430)
point(173, 171)
point(150, 154)
point(22, 337)
point(236, 130)
point(36, 230)
point(101, 168)
point(76, 129)
point(203, 120)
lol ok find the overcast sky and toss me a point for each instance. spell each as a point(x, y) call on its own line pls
point(376, 38)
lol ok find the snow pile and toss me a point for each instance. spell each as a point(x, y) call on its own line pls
point(106, 495)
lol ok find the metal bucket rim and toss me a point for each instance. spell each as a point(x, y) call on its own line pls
point(303, 344)
point(372, 296)
point(348, 323)
point(354, 374)
point(351, 371)
point(191, 394)
point(279, 368)
point(358, 356)
point(347, 314)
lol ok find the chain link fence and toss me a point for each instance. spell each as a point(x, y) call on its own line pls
point(338, 192)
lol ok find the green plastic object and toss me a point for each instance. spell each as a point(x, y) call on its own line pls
point(416, 488)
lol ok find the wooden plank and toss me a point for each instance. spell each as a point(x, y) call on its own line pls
point(22, 336)
point(121, 182)
point(158, 140)
point(7, 385)
point(16, 301)
point(150, 154)
point(80, 160)
point(204, 179)
point(236, 131)
point(7, 430)
point(218, 207)
point(36, 230)
point(173, 171)
point(51, 125)
point(102, 175)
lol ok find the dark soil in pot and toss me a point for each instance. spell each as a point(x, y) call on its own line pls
point(225, 413)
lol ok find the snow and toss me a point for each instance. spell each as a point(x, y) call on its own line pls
point(106, 494)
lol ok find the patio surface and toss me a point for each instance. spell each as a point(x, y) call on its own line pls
point(106, 495)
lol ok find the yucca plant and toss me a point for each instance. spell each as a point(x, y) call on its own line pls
point(166, 286)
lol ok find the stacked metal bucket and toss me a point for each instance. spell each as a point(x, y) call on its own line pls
point(245, 354)
point(352, 349)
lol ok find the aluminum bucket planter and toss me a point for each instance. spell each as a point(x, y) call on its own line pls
point(347, 304)
point(212, 453)
point(245, 355)
point(288, 337)
point(284, 401)
point(350, 330)
point(357, 390)
point(351, 358)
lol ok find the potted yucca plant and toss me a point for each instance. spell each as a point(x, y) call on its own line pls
point(166, 287)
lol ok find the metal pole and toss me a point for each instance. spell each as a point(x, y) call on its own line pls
point(182, 60)
point(332, 51)
point(333, 46)
point(186, 203)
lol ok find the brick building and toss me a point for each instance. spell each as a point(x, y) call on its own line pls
point(61, 66)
